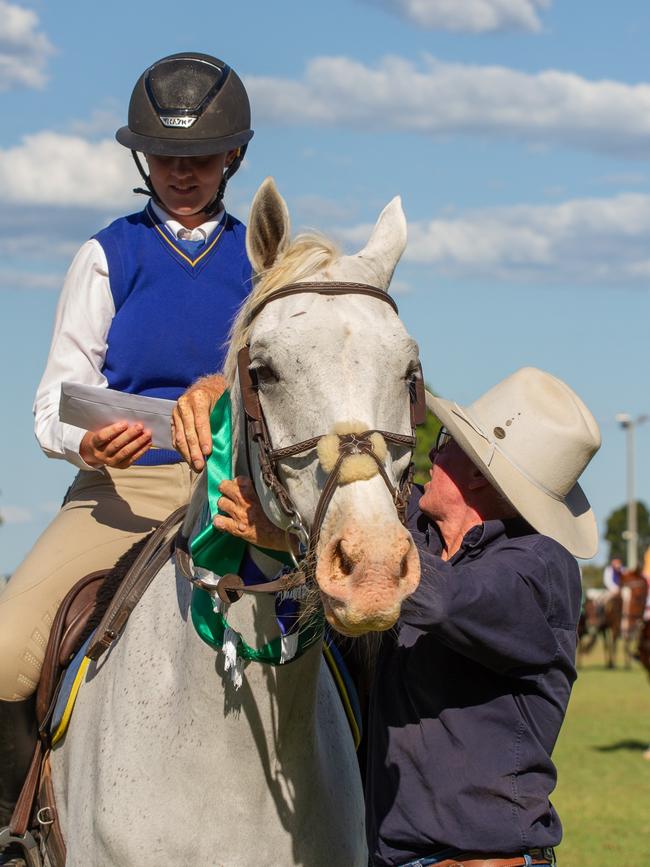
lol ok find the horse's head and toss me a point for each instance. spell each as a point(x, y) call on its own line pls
point(334, 365)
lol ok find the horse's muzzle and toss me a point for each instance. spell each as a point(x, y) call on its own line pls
point(364, 574)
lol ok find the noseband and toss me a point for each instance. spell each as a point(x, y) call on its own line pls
point(257, 431)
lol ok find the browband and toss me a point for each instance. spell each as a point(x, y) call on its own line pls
point(323, 289)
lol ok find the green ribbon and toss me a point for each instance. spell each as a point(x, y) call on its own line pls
point(221, 553)
point(211, 627)
point(214, 549)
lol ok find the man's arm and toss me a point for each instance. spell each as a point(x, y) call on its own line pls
point(496, 610)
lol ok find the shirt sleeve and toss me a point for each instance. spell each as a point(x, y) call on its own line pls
point(495, 611)
point(78, 349)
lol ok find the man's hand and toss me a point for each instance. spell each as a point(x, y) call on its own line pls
point(191, 434)
point(117, 445)
point(245, 517)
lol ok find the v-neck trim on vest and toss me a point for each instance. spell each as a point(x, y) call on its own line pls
point(164, 236)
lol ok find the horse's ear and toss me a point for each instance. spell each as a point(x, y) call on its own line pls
point(269, 227)
point(387, 242)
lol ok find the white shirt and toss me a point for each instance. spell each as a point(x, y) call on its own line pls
point(81, 325)
point(608, 578)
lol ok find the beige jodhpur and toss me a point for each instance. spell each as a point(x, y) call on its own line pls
point(104, 513)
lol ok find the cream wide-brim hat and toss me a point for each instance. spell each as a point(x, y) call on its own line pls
point(531, 437)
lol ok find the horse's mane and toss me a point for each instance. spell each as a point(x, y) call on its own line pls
point(306, 255)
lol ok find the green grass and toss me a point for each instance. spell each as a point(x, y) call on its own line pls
point(603, 792)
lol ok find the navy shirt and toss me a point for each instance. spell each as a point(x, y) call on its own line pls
point(469, 696)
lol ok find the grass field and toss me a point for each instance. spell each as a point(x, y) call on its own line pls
point(603, 793)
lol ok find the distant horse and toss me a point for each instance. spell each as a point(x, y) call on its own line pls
point(601, 615)
point(644, 646)
point(634, 591)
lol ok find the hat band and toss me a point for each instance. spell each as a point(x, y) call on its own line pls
point(495, 447)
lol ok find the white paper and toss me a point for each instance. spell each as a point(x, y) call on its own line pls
point(92, 407)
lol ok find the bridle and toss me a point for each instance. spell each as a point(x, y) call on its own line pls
point(256, 431)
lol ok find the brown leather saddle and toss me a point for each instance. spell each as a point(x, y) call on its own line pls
point(99, 602)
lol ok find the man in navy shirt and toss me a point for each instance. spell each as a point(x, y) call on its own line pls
point(472, 686)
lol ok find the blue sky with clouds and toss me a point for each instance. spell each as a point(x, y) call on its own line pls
point(516, 131)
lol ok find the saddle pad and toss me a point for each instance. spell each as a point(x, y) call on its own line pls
point(70, 683)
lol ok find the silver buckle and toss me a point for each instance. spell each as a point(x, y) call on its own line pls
point(297, 528)
point(45, 816)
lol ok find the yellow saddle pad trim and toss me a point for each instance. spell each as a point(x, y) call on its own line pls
point(69, 706)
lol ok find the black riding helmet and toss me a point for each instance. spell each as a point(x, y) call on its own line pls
point(188, 105)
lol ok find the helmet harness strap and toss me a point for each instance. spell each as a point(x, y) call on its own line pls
point(211, 208)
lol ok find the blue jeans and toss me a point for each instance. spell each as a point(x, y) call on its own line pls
point(434, 859)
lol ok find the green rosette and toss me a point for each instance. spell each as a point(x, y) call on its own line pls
point(221, 553)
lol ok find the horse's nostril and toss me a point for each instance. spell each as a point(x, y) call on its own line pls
point(345, 563)
point(404, 566)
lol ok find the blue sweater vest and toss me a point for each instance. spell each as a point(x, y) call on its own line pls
point(172, 312)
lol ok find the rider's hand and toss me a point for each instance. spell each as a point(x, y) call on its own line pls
point(117, 445)
point(191, 434)
point(245, 517)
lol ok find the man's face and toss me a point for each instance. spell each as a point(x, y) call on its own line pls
point(451, 471)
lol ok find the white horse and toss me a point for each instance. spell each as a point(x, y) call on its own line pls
point(165, 762)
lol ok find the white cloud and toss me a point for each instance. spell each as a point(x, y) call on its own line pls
point(438, 99)
point(580, 242)
point(400, 287)
point(24, 50)
point(623, 179)
point(19, 280)
point(15, 515)
point(471, 16)
point(49, 507)
point(103, 121)
point(313, 209)
point(49, 168)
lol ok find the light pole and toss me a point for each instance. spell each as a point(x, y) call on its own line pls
point(632, 533)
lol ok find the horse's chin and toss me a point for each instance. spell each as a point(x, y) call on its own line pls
point(350, 622)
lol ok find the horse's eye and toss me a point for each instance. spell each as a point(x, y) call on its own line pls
point(262, 374)
point(412, 373)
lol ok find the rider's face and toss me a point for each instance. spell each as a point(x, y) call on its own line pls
point(185, 185)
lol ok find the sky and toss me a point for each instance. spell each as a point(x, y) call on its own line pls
point(516, 131)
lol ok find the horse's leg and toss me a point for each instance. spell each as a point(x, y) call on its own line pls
point(627, 650)
point(608, 642)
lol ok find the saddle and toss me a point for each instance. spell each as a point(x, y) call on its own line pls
point(101, 603)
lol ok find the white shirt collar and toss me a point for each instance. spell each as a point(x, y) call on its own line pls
point(200, 233)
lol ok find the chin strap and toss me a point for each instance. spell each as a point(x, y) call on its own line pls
point(145, 177)
point(211, 208)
